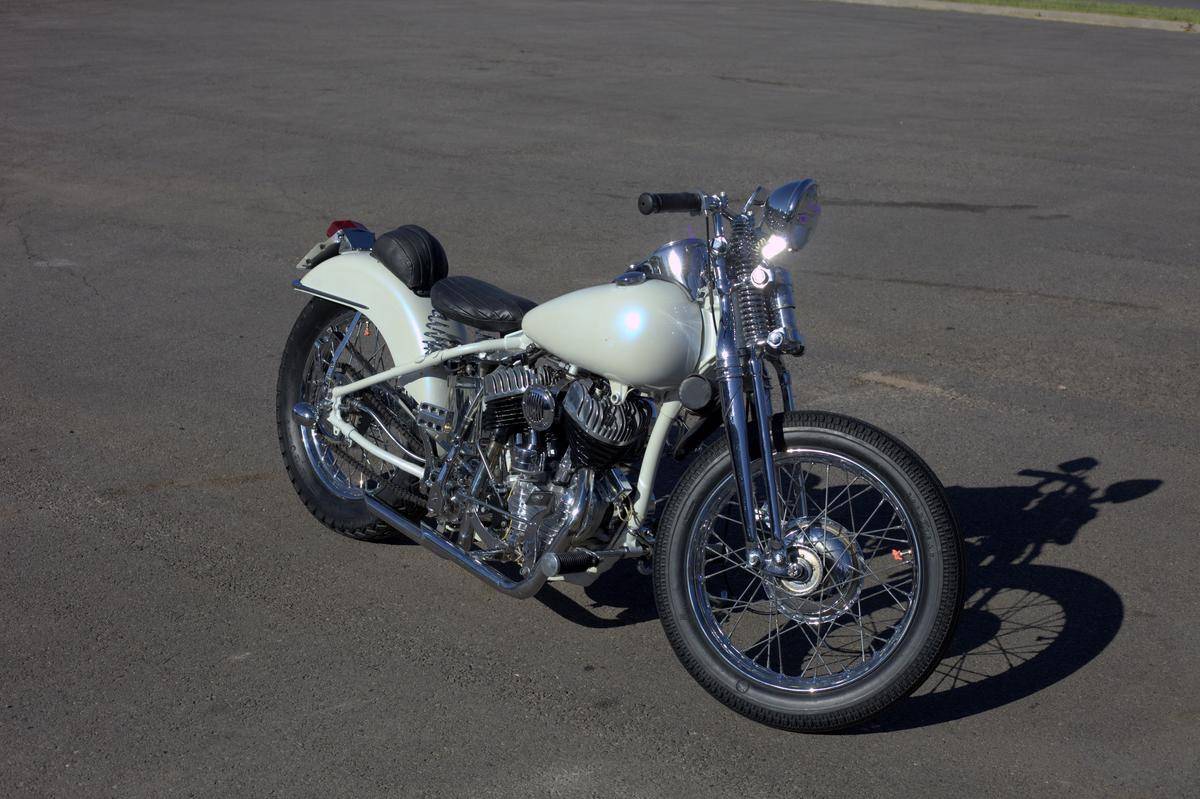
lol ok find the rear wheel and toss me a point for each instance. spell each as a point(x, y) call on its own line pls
point(330, 345)
point(875, 590)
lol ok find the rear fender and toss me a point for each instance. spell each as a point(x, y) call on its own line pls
point(355, 279)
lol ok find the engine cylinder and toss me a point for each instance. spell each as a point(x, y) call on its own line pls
point(601, 433)
point(502, 396)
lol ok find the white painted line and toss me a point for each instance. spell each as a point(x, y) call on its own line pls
point(1078, 17)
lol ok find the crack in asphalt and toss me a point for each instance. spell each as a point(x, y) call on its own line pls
point(29, 256)
point(57, 263)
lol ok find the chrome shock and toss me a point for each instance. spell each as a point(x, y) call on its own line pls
point(438, 335)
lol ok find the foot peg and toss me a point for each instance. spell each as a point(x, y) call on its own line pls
point(578, 559)
point(570, 562)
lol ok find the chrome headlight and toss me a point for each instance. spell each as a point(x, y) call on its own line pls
point(789, 218)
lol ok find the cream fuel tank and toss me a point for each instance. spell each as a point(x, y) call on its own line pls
point(645, 333)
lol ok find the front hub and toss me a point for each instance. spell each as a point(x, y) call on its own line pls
point(818, 574)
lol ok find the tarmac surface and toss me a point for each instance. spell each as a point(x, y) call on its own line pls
point(1005, 276)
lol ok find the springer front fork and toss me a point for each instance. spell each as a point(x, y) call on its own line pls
point(737, 361)
point(767, 516)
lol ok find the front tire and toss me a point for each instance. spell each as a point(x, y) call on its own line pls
point(878, 585)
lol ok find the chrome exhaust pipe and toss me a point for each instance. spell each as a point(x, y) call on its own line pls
point(435, 542)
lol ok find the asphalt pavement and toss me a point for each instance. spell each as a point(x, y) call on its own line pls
point(1005, 275)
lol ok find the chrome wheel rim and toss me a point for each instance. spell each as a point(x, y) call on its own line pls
point(857, 586)
point(343, 470)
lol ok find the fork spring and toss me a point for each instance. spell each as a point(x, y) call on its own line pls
point(750, 306)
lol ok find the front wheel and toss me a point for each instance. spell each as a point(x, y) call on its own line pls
point(871, 601)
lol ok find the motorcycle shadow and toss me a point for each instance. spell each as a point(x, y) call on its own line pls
point(626, 596)
point(1023, 627)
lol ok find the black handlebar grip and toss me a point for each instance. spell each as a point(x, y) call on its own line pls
point(674, 203)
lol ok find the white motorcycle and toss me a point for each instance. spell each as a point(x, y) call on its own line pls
point(807, 567)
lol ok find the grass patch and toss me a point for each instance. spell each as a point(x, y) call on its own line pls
point(1090, 7)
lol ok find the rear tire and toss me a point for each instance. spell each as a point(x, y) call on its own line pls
point(700, 614)
point(341, 511)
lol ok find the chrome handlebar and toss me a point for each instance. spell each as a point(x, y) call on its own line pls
point(757, 296)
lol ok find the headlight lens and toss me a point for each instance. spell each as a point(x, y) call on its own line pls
point(789, 218)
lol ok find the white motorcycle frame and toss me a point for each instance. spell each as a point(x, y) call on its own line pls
point(358, 281)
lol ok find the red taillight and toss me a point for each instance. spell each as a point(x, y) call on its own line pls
point(342, 224)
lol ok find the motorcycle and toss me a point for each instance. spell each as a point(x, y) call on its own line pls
point(807, 568)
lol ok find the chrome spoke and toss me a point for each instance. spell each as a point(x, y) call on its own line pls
point(728, 569)
point(742, 612)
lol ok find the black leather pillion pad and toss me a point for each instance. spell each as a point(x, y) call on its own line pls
point(411, 253)
point(478, 304)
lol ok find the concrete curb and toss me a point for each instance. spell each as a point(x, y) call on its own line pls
point(1077, 17)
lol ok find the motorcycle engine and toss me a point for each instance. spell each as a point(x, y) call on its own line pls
point(559, 432)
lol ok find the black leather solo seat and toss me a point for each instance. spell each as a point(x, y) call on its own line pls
point(479, 304)
point(412, 254)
